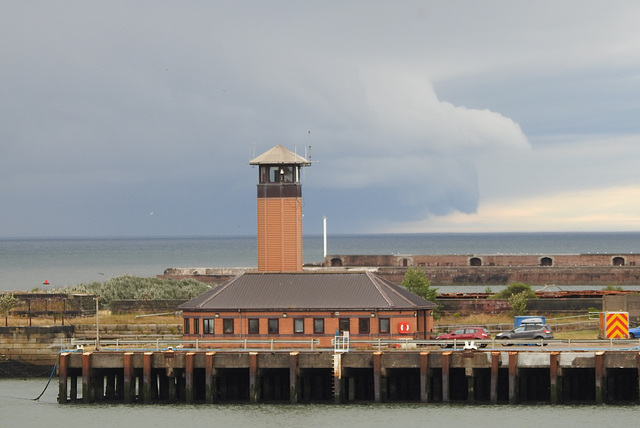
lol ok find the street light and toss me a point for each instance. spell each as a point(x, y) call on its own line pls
point(97, 327)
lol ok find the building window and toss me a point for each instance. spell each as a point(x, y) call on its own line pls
point(254, 326)
point(207, 326)
point(187, 330)
point(273, 326)
point(318, 325)
point(227, 326)
point(298, 326)
point(196, 326)
point(279, 174)
point(363, 325)
point(385, 325)
point(343, 325)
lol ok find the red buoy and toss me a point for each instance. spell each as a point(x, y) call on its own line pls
point(46, 282)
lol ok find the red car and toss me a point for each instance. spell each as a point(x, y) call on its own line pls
point(465, 333)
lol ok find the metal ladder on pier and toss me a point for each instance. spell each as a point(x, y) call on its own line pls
point(340, 346)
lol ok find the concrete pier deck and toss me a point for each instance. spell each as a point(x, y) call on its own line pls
point(466, 376)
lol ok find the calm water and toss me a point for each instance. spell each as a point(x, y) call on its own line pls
point(18, 409)
point(26, 263)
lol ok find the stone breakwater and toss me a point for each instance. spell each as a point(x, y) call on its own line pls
point(467, 269)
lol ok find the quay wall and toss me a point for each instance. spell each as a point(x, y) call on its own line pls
point(40, 346)
point(37, 346)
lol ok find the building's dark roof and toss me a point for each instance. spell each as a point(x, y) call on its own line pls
point(305, 291)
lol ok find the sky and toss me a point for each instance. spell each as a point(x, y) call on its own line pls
point(125, 118)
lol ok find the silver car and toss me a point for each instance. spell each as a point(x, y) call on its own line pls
point(526, 331)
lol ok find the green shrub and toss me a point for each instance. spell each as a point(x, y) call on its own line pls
point(518, 303)
point(515, 288)
point(127, 287)
point(416, 281)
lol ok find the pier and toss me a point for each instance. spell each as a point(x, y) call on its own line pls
point(317, 376)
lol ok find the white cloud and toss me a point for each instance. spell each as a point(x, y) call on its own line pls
point(411, 137)
point(609, 209)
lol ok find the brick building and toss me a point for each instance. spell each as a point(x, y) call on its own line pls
point(281, 300)
point(307, 305)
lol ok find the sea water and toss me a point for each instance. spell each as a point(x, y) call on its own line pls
point(26, 264)
point(19, 409)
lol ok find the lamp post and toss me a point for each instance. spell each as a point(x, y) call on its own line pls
point(97, 327)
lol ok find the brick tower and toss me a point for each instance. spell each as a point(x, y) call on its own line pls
point(279, 210)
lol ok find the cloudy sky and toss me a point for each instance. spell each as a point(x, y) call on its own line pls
point(139, 118)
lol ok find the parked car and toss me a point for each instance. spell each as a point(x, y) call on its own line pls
point(527, 330)
point(465, 333)
point(634, 332)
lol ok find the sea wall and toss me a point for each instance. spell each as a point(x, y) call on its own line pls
point(24, 347)
point(534, 269)
point(510, 260)
point(33, 345)
point(498, 275)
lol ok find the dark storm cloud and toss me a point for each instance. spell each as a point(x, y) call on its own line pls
point(112, 111)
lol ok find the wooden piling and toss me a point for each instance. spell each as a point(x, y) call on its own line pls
point(495, 368)
point(211, 395)
point(638, 368)
point(294, 375)
point(87, 393)
point(128, 375)
point(599, 374)
point(424, 377)
point(446, 361)
point(146, 377)
point(553, 377)
point(376, 376)
point(253, 377)
point(188, 363)
point(63, 366)
point(513, 391)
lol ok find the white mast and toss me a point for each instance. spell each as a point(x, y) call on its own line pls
point(324, 226)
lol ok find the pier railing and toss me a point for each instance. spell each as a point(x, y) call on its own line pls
point(178, 344)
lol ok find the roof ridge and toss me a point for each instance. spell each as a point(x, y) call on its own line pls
point(215, 291)
point(395, 288)
point(373, 279)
